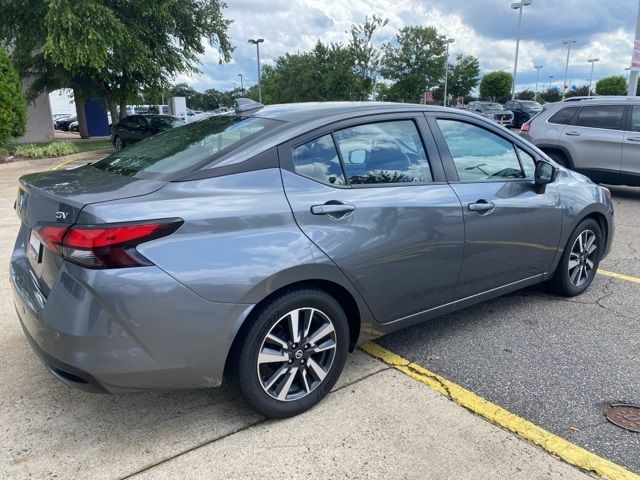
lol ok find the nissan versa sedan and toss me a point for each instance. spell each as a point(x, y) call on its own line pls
point(263, 247)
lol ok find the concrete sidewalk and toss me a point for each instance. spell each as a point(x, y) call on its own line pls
point(378, 423)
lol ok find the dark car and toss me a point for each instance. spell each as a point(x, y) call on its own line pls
point(261, 248)
point(134, 128)
point(63, 123)
point(523, 110)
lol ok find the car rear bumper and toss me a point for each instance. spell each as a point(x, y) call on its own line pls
point(124, 330)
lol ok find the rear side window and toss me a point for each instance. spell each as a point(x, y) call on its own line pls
point(601, 116)
point(318, 159)
point(185, 147)
point(383, 152)
point(479, 154)
point(563, 116)
point(635, 119)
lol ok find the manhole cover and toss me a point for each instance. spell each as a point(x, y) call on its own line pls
point(625, 416)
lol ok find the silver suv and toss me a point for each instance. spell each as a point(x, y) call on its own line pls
point(599, 137)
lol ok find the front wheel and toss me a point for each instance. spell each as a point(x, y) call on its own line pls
point(118, 144)
point(292, 353)
point(580, 260)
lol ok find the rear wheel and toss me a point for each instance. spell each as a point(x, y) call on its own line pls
point(292, 353)
point(580, 260)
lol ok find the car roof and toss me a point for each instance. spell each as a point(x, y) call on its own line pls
point(602, 99)
point(308, 112)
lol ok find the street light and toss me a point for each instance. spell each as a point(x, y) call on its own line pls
point(257, 44)
point(628, 69)
point(566, 68)
point(592, 61)
point(537, 67)
point(517, 6)
point(448, 41)
point(241, 83)
point(550, 78)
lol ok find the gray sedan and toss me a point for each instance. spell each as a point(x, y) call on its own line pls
point(262, 247)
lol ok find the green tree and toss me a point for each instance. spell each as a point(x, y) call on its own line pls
point(496, 86)
point(13, 107)
point(365, 55)
point(414, 62)
point(613, 85)
point(526, 95)
point(552, 94)
point(122, 48)
point(464, 76)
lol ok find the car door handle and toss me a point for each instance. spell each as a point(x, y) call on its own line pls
point(633, 139)
point(333, 209)
point(481, 206)
point(572, 133)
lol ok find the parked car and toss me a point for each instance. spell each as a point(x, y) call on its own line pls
point(134, 128)
point(599, 137)
point(493, 111)
point(63, 123)
point(58, 116)
point(261, 248)
point(74, 127)
point(523, 110)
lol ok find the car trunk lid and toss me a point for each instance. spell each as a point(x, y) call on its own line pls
point(57, 197)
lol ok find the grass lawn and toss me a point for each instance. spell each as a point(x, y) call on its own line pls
point(55, 148)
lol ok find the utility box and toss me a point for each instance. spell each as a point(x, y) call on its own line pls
point(178, 107)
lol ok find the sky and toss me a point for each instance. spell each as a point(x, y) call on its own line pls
point(484, 28)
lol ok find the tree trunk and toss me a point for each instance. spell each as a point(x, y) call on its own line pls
point(111, 104)
point(123, 108)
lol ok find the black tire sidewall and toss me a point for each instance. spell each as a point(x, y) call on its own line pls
point(246, 377)
point(561, 279)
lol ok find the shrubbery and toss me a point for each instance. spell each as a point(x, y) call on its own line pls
point(13, 107)
point(53, 149)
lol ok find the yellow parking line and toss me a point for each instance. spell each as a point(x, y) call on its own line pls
point(62, 164)
point(619, 276)
point(552, 443)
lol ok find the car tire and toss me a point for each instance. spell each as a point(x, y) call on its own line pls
point(281, 374)
point(118, 143)
point(578, 264)
point(560, 159)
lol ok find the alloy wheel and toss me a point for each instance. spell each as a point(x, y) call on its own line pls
point(296, 354)
point(118, 144)
point(582, 258)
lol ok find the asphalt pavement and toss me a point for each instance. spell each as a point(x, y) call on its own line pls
point(555, 361)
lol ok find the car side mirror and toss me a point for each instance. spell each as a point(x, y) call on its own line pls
point(545, 173)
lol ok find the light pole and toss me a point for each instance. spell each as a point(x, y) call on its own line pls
point(241, 83)
point(257, 44)
point(566, 68)
point(537, 67)
point(633, 78)
point(448, 41)
point(628, 69)
point(592, 61)
point(518, 6)
point(550, 78)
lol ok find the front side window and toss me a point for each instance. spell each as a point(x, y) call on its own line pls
point(479, 154)
point(318, 159)
point(601, 116)
point(528, 163)
point(383, 152)
point(564, 116)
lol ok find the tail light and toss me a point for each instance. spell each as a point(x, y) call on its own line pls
point(524, 127)
point(105, 246)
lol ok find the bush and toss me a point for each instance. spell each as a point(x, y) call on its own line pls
point(54, 149)
point(496, 86)
point(526, 95)
point(13, 107)
point(613, 85)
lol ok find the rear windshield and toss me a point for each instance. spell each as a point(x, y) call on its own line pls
point(165, 121)
point(183, 148)
point(531, 105)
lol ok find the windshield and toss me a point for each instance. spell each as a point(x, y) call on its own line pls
point(163, 122)
point(185, 147)
point(492, 107)
point(531, 105)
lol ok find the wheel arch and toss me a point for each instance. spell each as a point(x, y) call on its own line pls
point(548, 149)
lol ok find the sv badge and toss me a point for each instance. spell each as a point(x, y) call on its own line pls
point(62, 215)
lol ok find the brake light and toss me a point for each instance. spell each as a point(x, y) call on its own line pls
point(525, 127)
point(105, 246)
